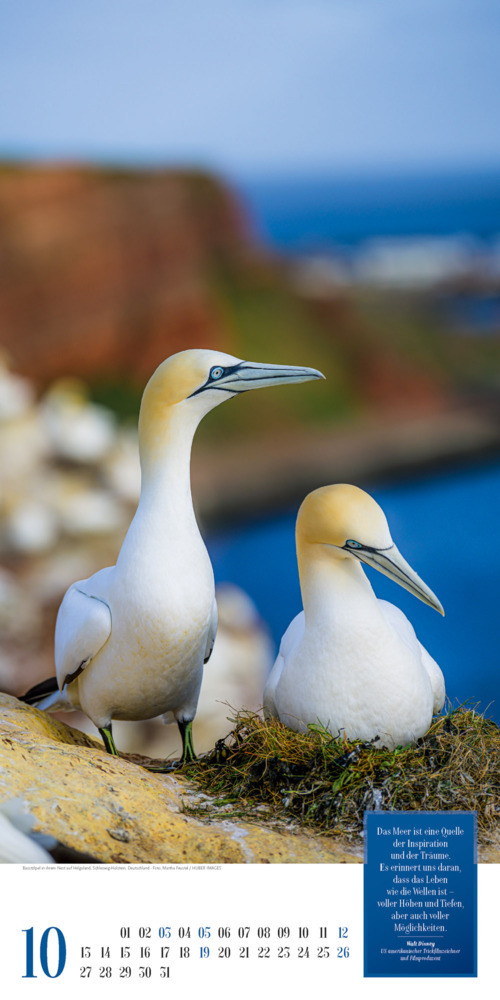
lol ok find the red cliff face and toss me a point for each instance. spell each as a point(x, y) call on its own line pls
point(106, 272)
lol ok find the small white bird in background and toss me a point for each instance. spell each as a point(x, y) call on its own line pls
point(24, 448)
point(350, 661)
point(17, 395)
point(132, 639)
point(78, 430)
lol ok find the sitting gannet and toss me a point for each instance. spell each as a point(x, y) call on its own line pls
point(348, 660)
point(132, 639)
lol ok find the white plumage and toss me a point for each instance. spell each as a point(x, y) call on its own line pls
point(132, 639)
point(350, 661)
point(18, 843)
point(234, 679)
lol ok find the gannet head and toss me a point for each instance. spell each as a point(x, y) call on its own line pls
point(203, 379)
point(353, 526)
point(188, 385)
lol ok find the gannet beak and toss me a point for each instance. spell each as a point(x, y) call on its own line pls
point(390, 562)
point(251, 375)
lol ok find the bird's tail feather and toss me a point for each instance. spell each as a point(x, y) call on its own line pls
point(47, 696)
point(39, 691)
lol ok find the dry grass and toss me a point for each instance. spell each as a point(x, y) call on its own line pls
point(264, 770)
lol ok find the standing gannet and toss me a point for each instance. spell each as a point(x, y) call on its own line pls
point(132, 639)
point(349, 660)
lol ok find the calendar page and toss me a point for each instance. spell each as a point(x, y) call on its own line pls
point(173, 929)
point(249, 672)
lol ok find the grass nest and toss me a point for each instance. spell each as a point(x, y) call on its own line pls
point(264, 771)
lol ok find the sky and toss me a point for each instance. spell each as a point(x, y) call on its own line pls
point(252, 86)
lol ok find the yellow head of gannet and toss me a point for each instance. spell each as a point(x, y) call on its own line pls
point(349, 660)
point(131, 640)
point(353, 526)
point(198, 380)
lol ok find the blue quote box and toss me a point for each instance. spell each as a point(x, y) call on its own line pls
point(420, 894)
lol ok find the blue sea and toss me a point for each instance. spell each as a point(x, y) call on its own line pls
point(317, 214)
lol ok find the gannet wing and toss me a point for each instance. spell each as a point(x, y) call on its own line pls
point(270, 709)
point(212, 632)
point(83, 626)
point(398, 620)
point(291, 637)
point(436, 678)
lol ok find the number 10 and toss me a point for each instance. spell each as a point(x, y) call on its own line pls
point(30, 974)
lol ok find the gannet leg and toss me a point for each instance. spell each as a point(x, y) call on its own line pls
point(109, 743)
point(186, 731)
point(188, 754)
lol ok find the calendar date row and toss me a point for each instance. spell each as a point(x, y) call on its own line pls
point(206, 952)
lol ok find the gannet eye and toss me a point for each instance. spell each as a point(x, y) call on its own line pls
point(353, 545)
point(216, 373)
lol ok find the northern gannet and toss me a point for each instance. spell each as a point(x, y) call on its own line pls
point(350, 661)
point(132, 639)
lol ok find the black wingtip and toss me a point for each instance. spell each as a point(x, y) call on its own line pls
point(39, 691)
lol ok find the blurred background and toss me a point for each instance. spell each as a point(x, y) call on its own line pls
point(309, 182)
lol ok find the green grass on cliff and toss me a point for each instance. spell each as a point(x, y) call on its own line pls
point(264, 771)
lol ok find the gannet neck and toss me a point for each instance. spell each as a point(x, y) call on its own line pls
point(165, 520)
point(165, 442)
point(330, 584)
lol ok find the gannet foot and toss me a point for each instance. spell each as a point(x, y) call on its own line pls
point(109, 743)
point(166, 768)
point(188, 754)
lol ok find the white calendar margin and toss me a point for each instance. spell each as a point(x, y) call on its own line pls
point(91, 904)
